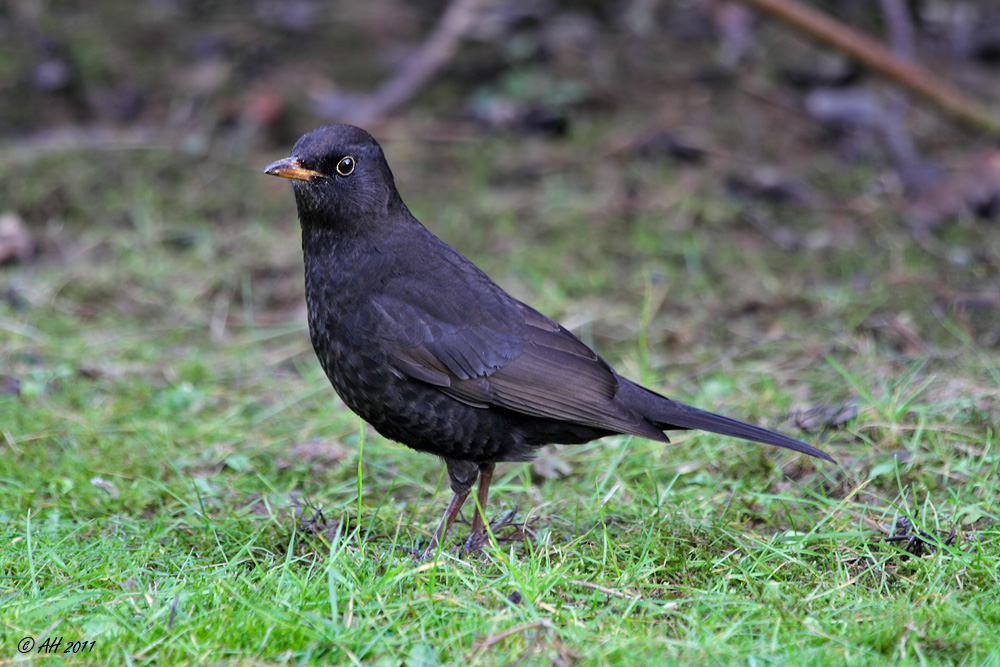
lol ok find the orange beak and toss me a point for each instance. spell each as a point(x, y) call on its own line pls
point(291, 168)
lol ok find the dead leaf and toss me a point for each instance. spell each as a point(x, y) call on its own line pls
point(313, 452)
point(974, 188)
point(104, 484)
point(549, 466)
point(16, 243)
point(822, 417)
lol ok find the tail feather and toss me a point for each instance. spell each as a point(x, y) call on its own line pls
point(668, 414)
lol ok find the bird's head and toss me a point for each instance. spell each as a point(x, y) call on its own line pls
point(340, 177)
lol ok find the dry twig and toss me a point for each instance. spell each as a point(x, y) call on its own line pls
point(880, 59)
point(604, 589)
point(435, 52)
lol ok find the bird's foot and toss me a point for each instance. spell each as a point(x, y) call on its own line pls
point(475, 542)
point(478, 538)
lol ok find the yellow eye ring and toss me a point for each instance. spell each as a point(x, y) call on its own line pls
point(346, 166)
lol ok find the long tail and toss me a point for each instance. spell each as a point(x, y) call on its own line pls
point(667, 414)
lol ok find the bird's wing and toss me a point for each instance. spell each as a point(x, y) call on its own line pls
point(557, 376)
point(510, 356)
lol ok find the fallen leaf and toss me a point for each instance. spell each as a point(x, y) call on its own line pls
point(16, 243)
point(312, 452)
point(104, 484)
point(549, 466)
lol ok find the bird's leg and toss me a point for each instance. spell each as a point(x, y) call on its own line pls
point(477, 536)
point(461, 475)
point(449, 518)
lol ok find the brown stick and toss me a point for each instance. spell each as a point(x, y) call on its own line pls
point(437, 50)
point(877, 57)
point(604, 589)
point(542, 624)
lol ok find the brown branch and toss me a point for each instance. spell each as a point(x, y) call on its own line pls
point(604, 589)
point(436, 51)
point(880, 59)
point(542, 624)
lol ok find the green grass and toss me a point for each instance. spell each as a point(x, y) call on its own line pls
point(151, 502)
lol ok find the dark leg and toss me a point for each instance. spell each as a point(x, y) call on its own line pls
point(461, 475)
point(477, 536)
point(449, 518)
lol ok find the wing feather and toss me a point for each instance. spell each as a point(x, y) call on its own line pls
point(536, 368)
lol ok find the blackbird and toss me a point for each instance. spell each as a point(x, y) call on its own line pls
point(426, 348)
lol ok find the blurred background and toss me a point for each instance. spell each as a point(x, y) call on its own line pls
point(698, 163)
point(693, 187)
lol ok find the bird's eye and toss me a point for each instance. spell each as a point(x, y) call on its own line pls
point(345, 166)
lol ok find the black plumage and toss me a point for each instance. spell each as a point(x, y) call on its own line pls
point(431, 352)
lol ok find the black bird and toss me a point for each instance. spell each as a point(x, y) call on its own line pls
point(420, 343)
